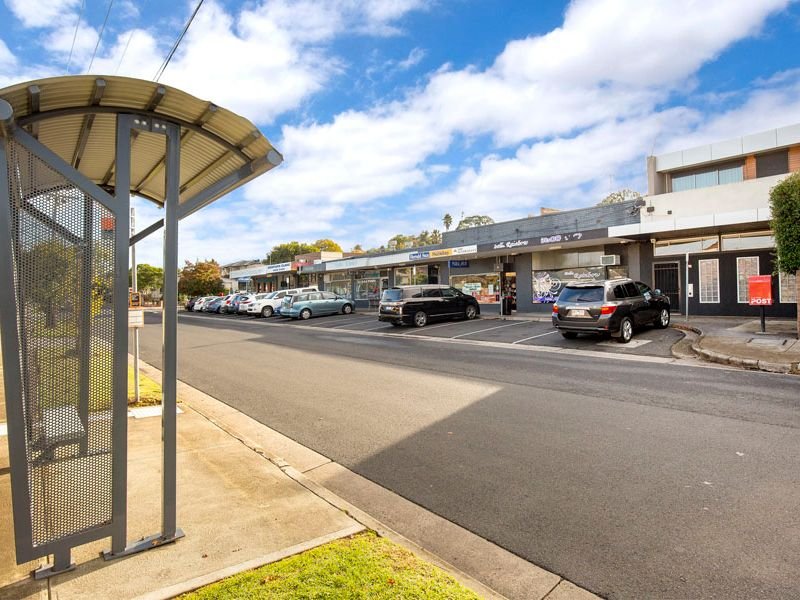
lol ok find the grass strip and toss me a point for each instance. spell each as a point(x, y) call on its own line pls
point(363, 566)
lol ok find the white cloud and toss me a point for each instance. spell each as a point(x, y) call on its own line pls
point(414, 57)
point(42, 13)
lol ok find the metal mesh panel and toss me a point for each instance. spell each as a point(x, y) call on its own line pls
point(63, 250)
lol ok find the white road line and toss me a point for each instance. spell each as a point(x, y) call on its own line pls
point(361, 322)
point(533, 337)
point(428, 327)
point(487, 329)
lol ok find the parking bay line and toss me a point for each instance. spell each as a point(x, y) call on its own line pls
point(360, 322)
point(533, 337)
point(487, 329)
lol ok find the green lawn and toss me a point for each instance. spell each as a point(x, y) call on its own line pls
point(364, 566)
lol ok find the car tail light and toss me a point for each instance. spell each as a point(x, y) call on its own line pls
point(555, 308)
point(608, 309)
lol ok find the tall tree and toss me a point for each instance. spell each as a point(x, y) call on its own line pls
point(357, 249)
point(447, 221)
point(148, 277)
point(286, 252)
point(474, 221)
point(57, 280)
point(327, 245)
point(436, 237)
point(784, 200)
point(203, 278)
point(619, 196)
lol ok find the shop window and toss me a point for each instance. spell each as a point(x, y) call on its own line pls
point(484, 287)
point(586, 257)
point(368, 289)
point(746, 267)
point(417, 275)
point(748, 241)
point(773, 163)
point(709, 280)
point(547, 285)
point(692, 245)
point(787, 288)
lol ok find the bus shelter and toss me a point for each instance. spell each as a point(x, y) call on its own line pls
point(73, 150)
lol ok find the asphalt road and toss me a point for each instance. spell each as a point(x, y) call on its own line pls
point(626, 473)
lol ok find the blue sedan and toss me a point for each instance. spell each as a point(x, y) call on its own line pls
point(315, 304)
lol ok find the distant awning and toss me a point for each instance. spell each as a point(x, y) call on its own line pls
point(75, 116)
point(243, 279)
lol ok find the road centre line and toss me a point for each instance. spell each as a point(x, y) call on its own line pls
point(487, 329)
point(535, 336)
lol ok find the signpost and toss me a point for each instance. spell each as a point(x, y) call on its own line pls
point(759, 288)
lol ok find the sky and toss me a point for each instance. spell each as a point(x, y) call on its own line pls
point(391, 113)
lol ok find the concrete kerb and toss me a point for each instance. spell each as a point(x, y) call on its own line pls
point(735, 361)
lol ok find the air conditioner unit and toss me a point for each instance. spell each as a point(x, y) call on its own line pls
point(608, 260)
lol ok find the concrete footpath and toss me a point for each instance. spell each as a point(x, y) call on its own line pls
point(738, 342)
point(241, 506)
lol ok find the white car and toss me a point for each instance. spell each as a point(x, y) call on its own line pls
point(198, 306)
point(271, 303)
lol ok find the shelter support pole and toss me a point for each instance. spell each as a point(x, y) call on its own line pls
point(169, 320)
point(85, 319)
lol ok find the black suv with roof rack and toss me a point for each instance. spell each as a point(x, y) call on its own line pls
point(612, 306)
point(418, 304)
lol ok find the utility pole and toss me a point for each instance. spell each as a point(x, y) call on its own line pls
point(135, 288)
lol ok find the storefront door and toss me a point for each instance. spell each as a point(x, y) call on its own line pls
point(666, 277)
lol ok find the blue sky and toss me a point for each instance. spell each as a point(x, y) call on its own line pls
point(391, 113)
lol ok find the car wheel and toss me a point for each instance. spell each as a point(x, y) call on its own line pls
point(305, 314)
point(662, 320)
point(420, 318)
point(470, 312)
point(570, 335)
point(347, 309)
point(625, 330)
point(266, 311)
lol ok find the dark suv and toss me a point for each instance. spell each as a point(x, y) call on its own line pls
point(418, 304)
point(613, 306)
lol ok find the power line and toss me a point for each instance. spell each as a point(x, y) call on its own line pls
point(163, 67)
point(100, 36)
point(75, 35)
point(125, 51)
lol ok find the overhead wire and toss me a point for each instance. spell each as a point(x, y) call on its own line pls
point(75, 35)
point(100, 35)
point(125, 51)
point(177, 43)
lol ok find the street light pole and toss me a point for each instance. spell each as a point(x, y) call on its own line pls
point(135, 288)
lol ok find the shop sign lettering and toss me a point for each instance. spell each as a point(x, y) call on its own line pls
point(466, 249)
point(458, 264)
point(444, 252)
point(418, 255)
point(510, 244)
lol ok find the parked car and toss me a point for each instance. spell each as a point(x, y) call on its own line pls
point(244, 301)
point(271, 303)
point(198, 305)
point(234, 305)
point(419, 304)
point(614, 307)
point(315, 304)
point(213, 306)
point(190, 303)
point(226, 303)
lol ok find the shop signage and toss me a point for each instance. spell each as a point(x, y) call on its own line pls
point(760, 289)
point(547, 285)
point(544, 240)
point(458, 264)
point(443, 252)
point(459, 250)
point(279, 268)
point(418, 255)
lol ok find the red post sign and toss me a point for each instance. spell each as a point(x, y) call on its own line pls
point(760, 290)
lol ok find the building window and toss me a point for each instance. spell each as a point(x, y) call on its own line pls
point(693, 245)
point(411, 275)
point(707, 176)
point(338, 283)
point(787, 285)
point(773, 163)
point(709, 280)
point(746, 267)
point(748, 241)
point(484, 287)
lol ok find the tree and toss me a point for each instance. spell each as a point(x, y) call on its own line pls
point(447, 221)
point(784, 200)
point(58, 278)
point(474, 221)
point(357, 249)
point(148, 277)
point(619, 196)
point(203, 278)
point(286, 252)
point(326, 245)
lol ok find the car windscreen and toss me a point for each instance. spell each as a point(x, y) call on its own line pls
point(581, 294)
point(392, 295)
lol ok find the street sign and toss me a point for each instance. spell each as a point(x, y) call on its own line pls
point(760, 290)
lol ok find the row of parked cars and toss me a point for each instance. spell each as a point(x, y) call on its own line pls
point(613, 307)
point(297, 303)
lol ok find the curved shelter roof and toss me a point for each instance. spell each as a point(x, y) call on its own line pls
point(75, 117)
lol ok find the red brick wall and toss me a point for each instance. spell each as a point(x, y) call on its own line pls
point(750, 167)
point(794, 158)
